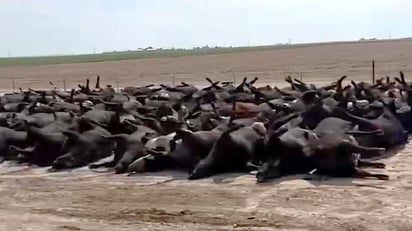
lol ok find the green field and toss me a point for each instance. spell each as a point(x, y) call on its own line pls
point(126, 55)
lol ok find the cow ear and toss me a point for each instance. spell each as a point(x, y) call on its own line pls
point(71, 134)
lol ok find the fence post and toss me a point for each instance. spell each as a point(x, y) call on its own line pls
point(117, 84)
point(13, 85)
point(301, 76)
point(173, 80)
point(64, 84)
point(234, 79)
point(373, 71)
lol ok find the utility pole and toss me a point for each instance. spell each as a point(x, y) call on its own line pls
point(8, 52)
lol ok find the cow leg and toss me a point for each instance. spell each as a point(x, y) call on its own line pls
point(202, 170)
point(152, 163)
point(362, 163)
point(108, 164)
point(252, 166)
point(360, 133)
point(366, 152)
point(269, 170)
point(21, 158)
point(356, 119)
point(359, 173)
point(300, 82)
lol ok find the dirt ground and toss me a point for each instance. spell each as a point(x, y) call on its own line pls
point(33, 199)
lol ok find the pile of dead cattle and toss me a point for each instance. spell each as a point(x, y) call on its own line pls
point(303, 128)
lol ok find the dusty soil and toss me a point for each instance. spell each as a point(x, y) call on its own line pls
point(33, 199)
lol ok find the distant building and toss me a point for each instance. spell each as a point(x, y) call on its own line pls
point(149, 49)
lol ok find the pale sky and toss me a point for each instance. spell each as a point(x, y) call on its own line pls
point(43, 27)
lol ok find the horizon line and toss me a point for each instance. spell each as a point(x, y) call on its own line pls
point(154, 49)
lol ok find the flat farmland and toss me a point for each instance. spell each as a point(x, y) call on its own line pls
point(317, 63)
point(34, 199)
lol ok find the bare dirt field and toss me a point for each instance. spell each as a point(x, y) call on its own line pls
point(317, 64)
point(33, 199)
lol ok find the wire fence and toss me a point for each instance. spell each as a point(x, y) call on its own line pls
point(120, 80)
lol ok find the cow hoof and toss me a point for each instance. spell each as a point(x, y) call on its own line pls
point(93, 166)
point(381, 151)
point(137, 166)
point(260, 178)
point(120, 170)
point(21, 159)
point(195, 175)
point(382, 177)
point(380, 165)
point(201, 171)
point(52, 170)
